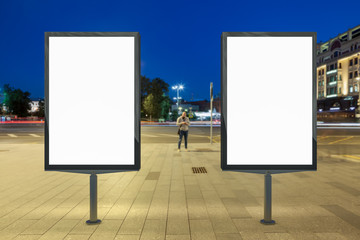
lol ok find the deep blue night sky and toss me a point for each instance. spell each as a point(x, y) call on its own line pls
point(180, 40)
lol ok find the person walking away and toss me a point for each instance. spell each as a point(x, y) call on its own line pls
point(183, 122)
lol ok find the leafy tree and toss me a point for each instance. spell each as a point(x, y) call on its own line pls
point(165, 106)
point(152, 106)
point(158, 88)
point(145, 86)
point(144, 90)
point(16, 101)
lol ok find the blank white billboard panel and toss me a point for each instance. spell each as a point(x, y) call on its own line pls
point(268, 97)
point(92, 103)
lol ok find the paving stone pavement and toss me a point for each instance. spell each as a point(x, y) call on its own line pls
point(166, 200)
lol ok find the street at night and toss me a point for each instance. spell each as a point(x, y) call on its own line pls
point(333, 143)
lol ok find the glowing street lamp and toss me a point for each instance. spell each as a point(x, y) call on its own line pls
point(177, 88)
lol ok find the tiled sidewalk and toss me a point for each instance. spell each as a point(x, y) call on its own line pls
point(166, 200)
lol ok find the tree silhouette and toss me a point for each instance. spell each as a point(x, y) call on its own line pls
point(165, 106)
point(16, 101)
point(158, 89)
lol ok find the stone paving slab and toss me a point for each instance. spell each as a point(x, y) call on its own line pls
point(166, 200)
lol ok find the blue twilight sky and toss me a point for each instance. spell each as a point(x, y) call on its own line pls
point(180, 40)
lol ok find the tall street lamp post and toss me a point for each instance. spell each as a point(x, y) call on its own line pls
point(178, 88)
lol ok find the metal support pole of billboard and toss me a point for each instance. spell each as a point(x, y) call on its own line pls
point(267, 200)
point(93, 200)
point(211, 109)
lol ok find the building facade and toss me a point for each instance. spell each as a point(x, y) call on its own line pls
point(338, 66)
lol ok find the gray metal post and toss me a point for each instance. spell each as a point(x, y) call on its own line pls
point(93, 200)
point(267, 199)
point(178, 98)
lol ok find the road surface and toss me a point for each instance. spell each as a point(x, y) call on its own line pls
point(332, 143)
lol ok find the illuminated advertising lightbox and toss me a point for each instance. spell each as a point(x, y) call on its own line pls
point(92, 101)
point(268, 91)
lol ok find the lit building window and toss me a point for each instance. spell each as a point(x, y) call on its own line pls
point(351, 89)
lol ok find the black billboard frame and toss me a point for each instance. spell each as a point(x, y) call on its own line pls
point(91, 169)
point(265, 168)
